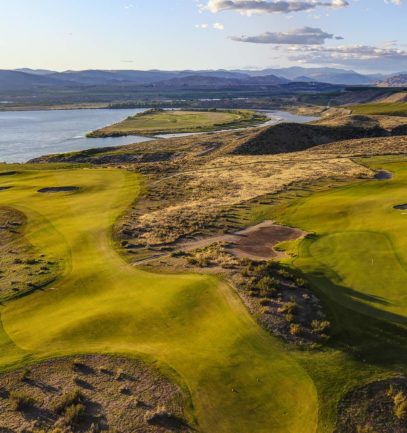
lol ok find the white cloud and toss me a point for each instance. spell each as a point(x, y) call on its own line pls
point(249, 7)
point(394, 2)
point(303, 36)
point(358, 56)
point(219, 26)
point(201, 26)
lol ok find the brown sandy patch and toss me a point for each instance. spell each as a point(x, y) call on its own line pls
point(257, 242)
point(107, 394)
point(59, 189)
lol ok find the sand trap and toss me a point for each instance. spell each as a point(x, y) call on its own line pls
point(7, 173)
point(401, 206)
point(383, 175)
point(58, 189)
point(257, 242)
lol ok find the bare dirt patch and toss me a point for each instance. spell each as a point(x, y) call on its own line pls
point(53, 189)
point(256, 242)
point(379, 407)
point(90, 393)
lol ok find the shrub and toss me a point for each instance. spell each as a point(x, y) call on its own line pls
point(295, 329)
point(25, 374)
point(21, 401)
point(70, 399)
point(74, 413)
point(266, 283)
point(400, 405)
point(119, 374)
point(288, 308)
point(320, 326)
point(300, 282)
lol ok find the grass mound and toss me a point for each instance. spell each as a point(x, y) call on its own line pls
point(294, 137)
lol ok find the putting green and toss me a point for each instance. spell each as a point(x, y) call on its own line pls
point(241, 379)
point(361, 242)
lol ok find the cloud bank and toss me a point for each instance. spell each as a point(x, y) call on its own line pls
point(303, 36)
point(249, 7)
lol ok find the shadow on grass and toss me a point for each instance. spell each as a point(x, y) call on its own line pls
point(363, 331)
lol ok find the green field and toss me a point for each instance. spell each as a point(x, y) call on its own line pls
point(154, 122)
point(389, 109)
point(196, 325)
point(240, 378)
point(356, 261)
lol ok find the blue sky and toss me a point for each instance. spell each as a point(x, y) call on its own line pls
point(366, 35)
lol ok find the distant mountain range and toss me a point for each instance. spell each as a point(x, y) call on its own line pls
point(399, 80)
point(22, 80)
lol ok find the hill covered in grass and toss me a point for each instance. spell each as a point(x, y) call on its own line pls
point(157, 121)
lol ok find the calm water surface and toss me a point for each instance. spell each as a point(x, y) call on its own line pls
point(29, 134)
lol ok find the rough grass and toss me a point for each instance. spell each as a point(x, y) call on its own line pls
point(381, 108)
point(157, 122)
point(240, 378)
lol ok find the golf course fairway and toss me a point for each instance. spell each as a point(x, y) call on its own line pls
point(241, 379)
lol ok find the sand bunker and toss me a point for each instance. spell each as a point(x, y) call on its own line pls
point(59, 189)
point(7, 173)
point(383, 175)
point(401, 206)
point(257, 242)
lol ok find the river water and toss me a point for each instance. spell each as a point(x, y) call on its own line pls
point(28, 134)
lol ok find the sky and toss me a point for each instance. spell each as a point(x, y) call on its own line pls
point(369, 36)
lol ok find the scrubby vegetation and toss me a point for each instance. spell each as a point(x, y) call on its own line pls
point(23, 269)
point(50, 400)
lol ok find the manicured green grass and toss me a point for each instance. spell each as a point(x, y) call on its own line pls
point(362, 239)
point(240, 378)
point(156, 122)
point(356, 261)
point(390, 109)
